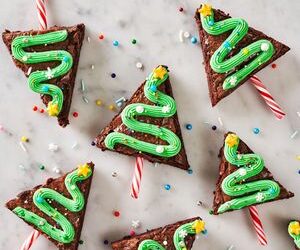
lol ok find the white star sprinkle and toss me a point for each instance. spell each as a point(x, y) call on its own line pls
point(259, 197)
point(49, 73)
point(183, 233)
point(233, 80)
point(166, 109)
point(135, 224)
point(242, 172)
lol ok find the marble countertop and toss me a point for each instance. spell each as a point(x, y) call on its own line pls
point(156, 25)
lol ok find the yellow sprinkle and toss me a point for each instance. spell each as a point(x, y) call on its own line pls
point(111, 107)
point(298, 157)
point(52, 109)
point(24, 139)
point(98, 102)
point(206, 10)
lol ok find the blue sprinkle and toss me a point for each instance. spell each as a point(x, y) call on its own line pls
point(227, 44)
point(299, 171)
point(93, 143)
point(256, 131)
point(153, 88)
point(113, 75)
point(115, 43)
point(194, 40)
point(39, 199)
point(65, 59)
point(105, 242)
point(45, 88)
point(211, 22)
point(167, 187)
point(204, 232)
point(190, 171)
point(189, 126)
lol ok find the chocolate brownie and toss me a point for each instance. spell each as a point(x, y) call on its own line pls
point(210, 44)
point(172, 123)
point(25, 200)
point(159, 234)
point(226, 169)
point(66, 82)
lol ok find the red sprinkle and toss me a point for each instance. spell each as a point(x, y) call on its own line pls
point(274, 65)
point(181, 9)
point(35, 108)
point(132, 233)
point(116, 213)
point(42, 110)
point(101, 37)
point(75, 114)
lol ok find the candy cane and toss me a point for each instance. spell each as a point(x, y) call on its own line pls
point(42, 16)
point(30, 240)
point(257, 83)
point(258, 225)
point(137, 177)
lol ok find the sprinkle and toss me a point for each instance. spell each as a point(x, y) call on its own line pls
point(93, 143)
point(42, 167)
point(299, 171)
point(274, 65)
point(49, 73)
point(153, 88)
point(256, 130)
point(139, 65)
point(85, 99)
point(226, 45)
point(24, 139)
point(211, 22)
point(56, 170)
point(82, 86)
point(101, 36)
point(29, 71)
point(42, 111)
point(220, 121)
point(231, 247)
point(105, 242)
point(75, 145)
point(135, 224)
point(133, 41)
point(53, 147)
point(181, 36)
point(214, 127)
point(165, 243)
point(298, 113)
point(23, 146)
point(200, 203)
point(80, 242)
point(139, 109)
point(39, 199)
point(186, 34)
point(92, 66)
point(131, 232)
point(160, 149)
point(155, 164)
point(115, 43)
point(66, 59)
point(190, 171)
point(264, 46)
point(116, 213)
point(88, 39)
point(189, 126)
point(111, 107)
point(180, 9)
point(21, 166)
point(120, 101)
point(75, 114)
point(167, 187)
point(114, 174)
point(194, 40)
point(294, 134)
point(98, 102)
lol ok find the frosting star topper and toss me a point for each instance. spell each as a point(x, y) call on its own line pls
point(295, 228)
point(199, 226)
point(84, 170)
point(206, 10)
point(52, 109)
point(232, 140)
point(160, 72)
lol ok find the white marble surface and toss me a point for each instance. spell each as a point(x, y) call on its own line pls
point(155, 24)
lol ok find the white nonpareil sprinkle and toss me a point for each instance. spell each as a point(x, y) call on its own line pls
point(139, 65)
point(294, 134)
point(92, 66)
point(264, 46)
point(159, 149)
point(231, 247)
point(139, 109)
point(52, 147)
point(22, 146)
point(88, 39)
point(56, 170)
point(135, 224)
point(21, 166)
point(165, 243)
point(298, 113)
point(181, 36)
point(186, 34)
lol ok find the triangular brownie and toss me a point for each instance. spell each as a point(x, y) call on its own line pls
point(64, 219)
point(210, 43)
point(242, 182)
point(155, 122)
point(58, 67)
point(169, 237)
point(294, 232)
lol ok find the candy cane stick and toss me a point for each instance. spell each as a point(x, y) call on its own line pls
point(42, 16)
point(258, 225)
point(257, 83)
point(30, 240)
point(137, 177)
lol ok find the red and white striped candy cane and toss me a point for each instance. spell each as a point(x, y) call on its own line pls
point(30, 240)
point(257, 83)
point(42, 16)
point(258, 225)
point(137, 177)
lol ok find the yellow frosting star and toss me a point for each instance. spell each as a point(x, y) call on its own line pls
point(232, 140)
point(160, 72)
point(199, 226)
point(295, 228)
point(206, 10)
point(84, 170)
point(52, 109)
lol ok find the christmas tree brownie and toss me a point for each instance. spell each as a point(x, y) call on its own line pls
point(244, 180)
point(148, 125)
point(49, 58)
point(294, 232)
point(57, 208)
point(232, 51)
point(178, 236)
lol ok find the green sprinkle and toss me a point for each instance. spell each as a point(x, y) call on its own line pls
point(42, 167)
point(133, 41)
point(80, 242)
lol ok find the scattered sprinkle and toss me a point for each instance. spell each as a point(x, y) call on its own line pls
point(92, 66)
point(117, 214)
point(114, 174)
point(85, 99)
point(105, 242)
point(294, 134)
point(111, 107)
point(299, 171)
point(113, 75)
point(156, 164)
point(181, 36)
point(42, 111)
point(200, 203)
point(80, 242)
point(211, 211)
point(186, 34)
point(133, 41)
point(21, 166)
point(56, 170)
point(115, 43)
point(214, 127)
point(165, 243)
point(75, 145)
point(274, 65)
point(35, 108)
point(93, 143)
point(256, 130)
point(231, 247)
point(131, 232)
point(135, 224)
point(120, 101)
point(180, 9)
point(53, 147)
point(167, 187)
point(29, 71)
point(24, 139)
point(42, 167)
point(75, 114)
point(101, 36)
point(189, 126)
point(194, 40)
point(298, 113)
point(220, 121)
point(190, 171)
point(88, 39)
point(82, 86)
point(98, 102)
point(139, 65)
point(23, 146)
